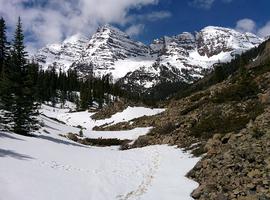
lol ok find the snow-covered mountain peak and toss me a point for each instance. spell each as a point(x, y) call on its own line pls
point(213, 40)
point(215, 31)
point(109, 29)
point(183, 57)
point(216, 28)
point(107, 46)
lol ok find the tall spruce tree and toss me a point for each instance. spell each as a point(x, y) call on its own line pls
point(6, 96)
point(3, 44)
point(24, 107)
point(5, 84)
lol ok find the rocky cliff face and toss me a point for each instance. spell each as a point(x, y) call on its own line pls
point(181, 58)
point(62, 56)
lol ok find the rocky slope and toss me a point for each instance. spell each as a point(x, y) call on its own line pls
point(227, 122)
point(181, 58)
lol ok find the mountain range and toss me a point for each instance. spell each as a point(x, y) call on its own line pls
point(185, 58)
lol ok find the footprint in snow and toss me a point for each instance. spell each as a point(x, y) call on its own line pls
point(57, 166)
point(146, 182)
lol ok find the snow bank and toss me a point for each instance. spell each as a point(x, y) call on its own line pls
point(53, 127)
point(129, 114)
point(84, 118)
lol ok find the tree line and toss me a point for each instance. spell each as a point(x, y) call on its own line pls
point(24, 86)
point(58, 87)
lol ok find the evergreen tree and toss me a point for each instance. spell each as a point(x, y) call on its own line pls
point(3, 44)
point(24, 107)
point(6, 96)
point(5, 81)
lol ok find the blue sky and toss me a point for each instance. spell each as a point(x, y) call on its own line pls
point(50, 21)
point(192, 17)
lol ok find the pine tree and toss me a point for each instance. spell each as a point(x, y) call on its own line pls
point(24, 107)
point(3, 44)
point(6, 96)
point(5, 82)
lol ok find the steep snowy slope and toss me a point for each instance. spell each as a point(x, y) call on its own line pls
point(181, 58)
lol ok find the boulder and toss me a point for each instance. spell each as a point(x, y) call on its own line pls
point(265, 98)
point(72, 136)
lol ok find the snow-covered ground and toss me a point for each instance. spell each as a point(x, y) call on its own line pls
point(52, 167)
point(84, 118)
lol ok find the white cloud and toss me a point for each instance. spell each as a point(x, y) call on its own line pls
point(246, 25)
point(206, 4)
point(265, 30)
point(55, 20)
point(154, 16)
point(135, 30)
point(249, 25)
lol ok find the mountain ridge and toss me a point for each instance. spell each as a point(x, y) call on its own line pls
point(185, 57)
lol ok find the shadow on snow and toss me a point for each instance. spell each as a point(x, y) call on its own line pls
point(59, 141)
point(9, 136)
point(13, 154)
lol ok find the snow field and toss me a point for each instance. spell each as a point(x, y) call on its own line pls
point(84, 119)
point(53, 167)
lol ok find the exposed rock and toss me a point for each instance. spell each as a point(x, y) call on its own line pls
point(240, 163)
point(108, 111)
point(265, 98)
point(198, 192)
point(72, 136)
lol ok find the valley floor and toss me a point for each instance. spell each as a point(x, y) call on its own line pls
point(52, 167)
